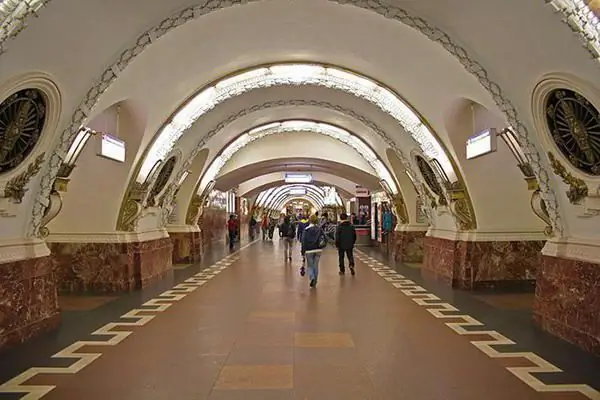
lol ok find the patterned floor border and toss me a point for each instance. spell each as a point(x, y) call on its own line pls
point(436, 307)
point(134, 318)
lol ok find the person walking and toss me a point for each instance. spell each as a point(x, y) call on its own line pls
point(265, 226)
point(288, 233)
point(302, 225)
point(313, 243)
point(345, 239)
point(232, 228)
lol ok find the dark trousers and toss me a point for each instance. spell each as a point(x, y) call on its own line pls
point(231, 239)
point(348, 253)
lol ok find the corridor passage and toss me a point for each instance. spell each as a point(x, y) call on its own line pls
point(249, 327)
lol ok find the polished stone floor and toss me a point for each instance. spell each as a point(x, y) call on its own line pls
point(253, 329)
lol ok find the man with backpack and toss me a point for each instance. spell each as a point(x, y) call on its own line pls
point(288, 233)
point(313, 243)
point(345, 238)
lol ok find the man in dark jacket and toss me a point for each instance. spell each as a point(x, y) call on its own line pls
point(345, 238)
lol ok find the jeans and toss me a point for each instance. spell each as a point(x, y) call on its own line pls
point(312, 263)
point(345, 252)
point(287, 247)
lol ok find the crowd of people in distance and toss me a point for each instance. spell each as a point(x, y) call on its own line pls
point(314, 233)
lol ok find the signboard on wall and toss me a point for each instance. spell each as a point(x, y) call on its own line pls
point(482, 143)
point(112, 148)
point(362, 192)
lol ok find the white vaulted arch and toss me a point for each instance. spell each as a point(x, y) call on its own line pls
point(292, 126)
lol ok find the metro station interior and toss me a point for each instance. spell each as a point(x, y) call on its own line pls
point(461, 138)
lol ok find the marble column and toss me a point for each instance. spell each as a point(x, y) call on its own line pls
point(110, 263)
point(499, 265)
point(187, 243)
point(407, 243)
point(567, 296)
point(28, 295)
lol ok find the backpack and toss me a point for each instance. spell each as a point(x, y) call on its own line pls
point(291, 232)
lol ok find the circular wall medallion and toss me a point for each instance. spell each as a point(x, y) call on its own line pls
point(22, 119)
point(429, 176)
point(163, 177)
point(574, 124)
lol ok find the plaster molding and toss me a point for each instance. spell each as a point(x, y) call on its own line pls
point(182, 228)
point(107, 237)
point(179, 18)
point(186, 165)
point(22, 249)
point(412, 228)
point(15, 20)
point(487, 236)
point(578, 16)
point(582, 249)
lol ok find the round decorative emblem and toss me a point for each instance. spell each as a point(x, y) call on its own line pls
point(22, 118)
point(429, 176)
point(575, 127)
point(163, 177)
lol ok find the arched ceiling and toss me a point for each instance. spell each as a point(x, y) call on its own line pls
point(293, 127)
point(235, 177)
point(110, 69)
point(252, 187)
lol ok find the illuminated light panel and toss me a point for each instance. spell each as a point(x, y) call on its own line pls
point(298, 178)
point(294, 74)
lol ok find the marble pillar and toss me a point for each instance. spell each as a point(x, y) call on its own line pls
point(407, 246)
point(567, 301)
point(187, 246)
point(28, 300)
point(490, 265)
point(110, 267)
point(213, 225)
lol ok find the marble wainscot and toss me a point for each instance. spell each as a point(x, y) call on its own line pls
point(187, 243)
point(213, 225)
point(567, 296)
point(28, 293)
point(507, 265)
point(407, 244)
point(110, 263)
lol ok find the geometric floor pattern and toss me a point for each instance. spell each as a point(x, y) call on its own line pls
point(486, 340)
point(113, 332)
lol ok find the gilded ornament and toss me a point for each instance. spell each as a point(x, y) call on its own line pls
point(15, 188)
point(400, 208)
point(194, 210)
point(578, 190)
point(129, 216)
point(538, 206)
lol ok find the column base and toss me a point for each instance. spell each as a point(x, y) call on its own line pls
point(111, 267)
point(28, 301)
point(567, 301)
point(187, 247)
point(486, 265)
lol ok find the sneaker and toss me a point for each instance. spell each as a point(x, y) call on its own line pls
point(302, 271)
point(342, 273)
point(313, 283)
point(352, 271)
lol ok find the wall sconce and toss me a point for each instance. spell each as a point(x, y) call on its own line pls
point(440, 172)
point(77, 146)
point(508, 136)
point(185, 174)
point(386, 188)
